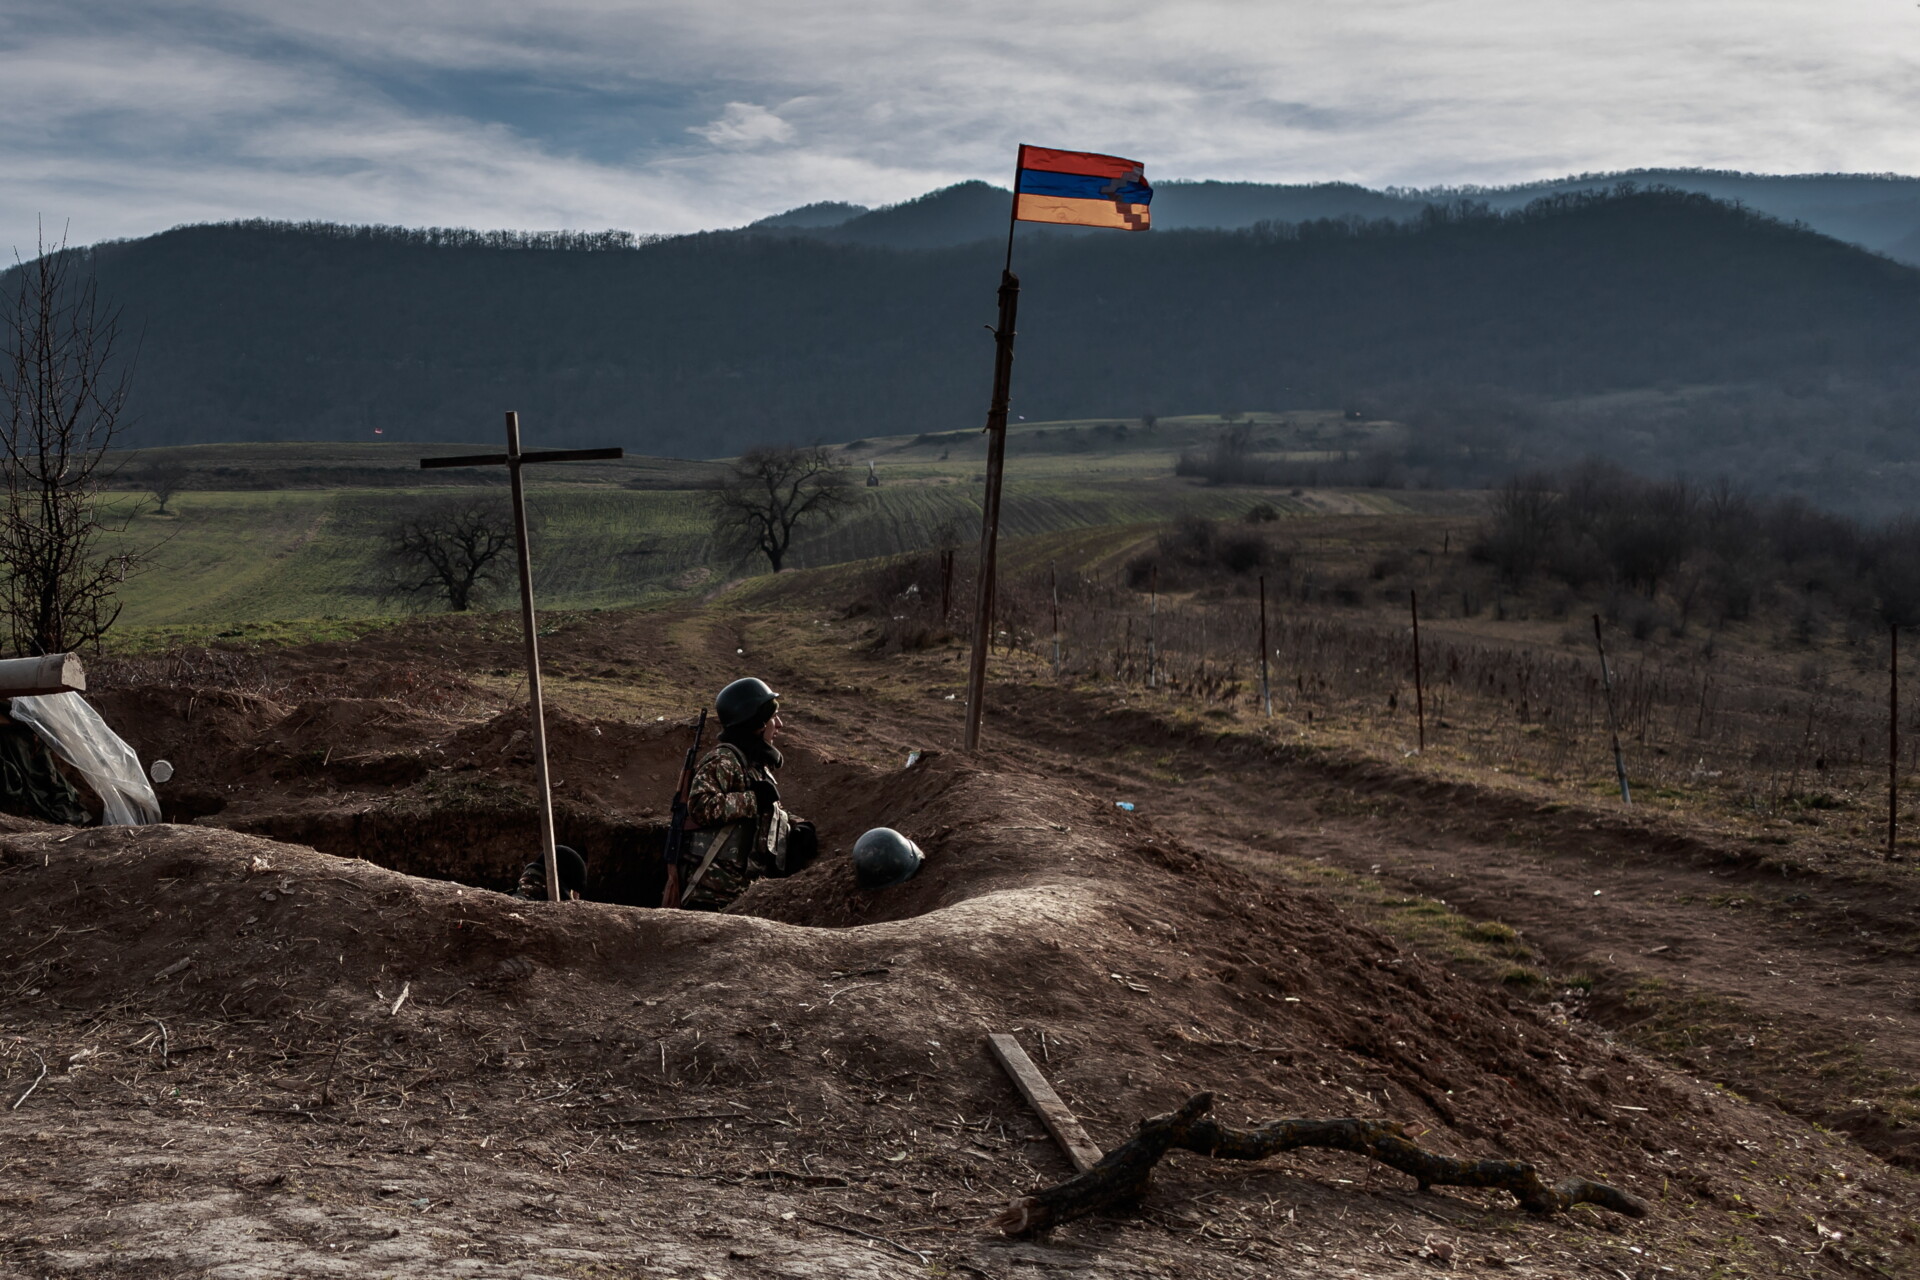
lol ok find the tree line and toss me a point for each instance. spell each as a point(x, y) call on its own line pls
point(1714, 552)
point(708, 344)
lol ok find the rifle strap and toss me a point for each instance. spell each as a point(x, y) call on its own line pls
point(722, 837)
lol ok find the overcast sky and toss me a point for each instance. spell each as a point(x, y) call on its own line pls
point(124, 117)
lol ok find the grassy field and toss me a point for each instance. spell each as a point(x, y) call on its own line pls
point(270, 533)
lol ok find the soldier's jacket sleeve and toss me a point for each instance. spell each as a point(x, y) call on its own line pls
point(722, 792)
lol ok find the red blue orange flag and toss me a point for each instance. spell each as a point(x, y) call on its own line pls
point(1081, 189)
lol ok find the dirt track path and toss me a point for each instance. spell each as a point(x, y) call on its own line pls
point(1798, 986)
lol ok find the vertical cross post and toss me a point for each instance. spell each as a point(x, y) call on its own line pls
point(513, 459)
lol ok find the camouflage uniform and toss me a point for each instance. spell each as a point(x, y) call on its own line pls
point(730, 837)
point(573, 877)
point(533, 882)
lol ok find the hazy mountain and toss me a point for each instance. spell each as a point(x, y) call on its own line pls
point(701, 345)
point(1877, 212)
point(823, 213)
point(974, 211)
point(956, 215)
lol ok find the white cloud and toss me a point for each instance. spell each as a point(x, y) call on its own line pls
point(742, 124)
point(128, 115)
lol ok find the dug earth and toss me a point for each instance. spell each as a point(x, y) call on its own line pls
point(301, 1031)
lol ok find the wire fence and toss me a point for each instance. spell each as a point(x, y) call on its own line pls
point(1753, 730)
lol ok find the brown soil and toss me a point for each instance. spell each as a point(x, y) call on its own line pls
point(372, 1064)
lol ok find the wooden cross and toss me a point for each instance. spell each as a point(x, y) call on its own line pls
point(513, 460)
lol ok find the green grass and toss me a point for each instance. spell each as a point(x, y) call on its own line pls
point(282, 533)
point(227, 559)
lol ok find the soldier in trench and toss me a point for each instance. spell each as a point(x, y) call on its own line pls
point(573, 877)
point(740, 830)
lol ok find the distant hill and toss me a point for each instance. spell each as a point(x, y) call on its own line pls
point(824, 213)
point(1875, 211)
point(701, 345)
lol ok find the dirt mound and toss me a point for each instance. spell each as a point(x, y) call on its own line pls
point(325, 1002)
point(356, 1058)
point(195, 728)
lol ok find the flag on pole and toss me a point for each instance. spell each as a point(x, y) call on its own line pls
point(1081, 189)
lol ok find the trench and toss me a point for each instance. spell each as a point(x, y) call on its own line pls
point(482, 849)
point(485, 847)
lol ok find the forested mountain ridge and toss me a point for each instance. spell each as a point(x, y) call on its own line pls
point(1880, 212)
point(701, 345)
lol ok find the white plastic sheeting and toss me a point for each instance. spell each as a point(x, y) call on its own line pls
point(76, 733)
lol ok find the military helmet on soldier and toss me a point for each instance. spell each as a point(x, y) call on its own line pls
point(883, 857)
point(742, 701)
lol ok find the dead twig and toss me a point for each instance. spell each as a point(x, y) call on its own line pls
point(868, 1235)
point(691, 1115)
point(406, 989)
point(36, 1081)
point(165, 1043)
point(1124, 1173)
point(57, 931)
point(176, 967)
point(326, 1085)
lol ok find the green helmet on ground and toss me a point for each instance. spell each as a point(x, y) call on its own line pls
point(883, 858)
point(742, 702)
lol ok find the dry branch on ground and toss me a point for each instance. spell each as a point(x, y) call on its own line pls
point(1124, 1173)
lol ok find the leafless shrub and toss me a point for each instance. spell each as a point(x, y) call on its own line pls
point(768, 493)
point(63, 387)
point(450, 550)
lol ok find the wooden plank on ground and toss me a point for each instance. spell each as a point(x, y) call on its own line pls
point(1080, 1149)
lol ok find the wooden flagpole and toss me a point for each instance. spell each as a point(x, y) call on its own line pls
point(996, 430)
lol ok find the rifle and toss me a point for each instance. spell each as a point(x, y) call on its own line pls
point(677, 827)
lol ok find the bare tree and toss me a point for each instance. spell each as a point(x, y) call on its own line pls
point(769, 493)
point(62, 393)
point(1526, 514)
point(449, 550)
point(163, 479)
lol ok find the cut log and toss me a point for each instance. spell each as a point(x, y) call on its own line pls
point(1124, 1173)
point(1082, 1151)
point(54, 673)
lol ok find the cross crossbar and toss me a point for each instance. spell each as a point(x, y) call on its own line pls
point(513, 460)
point(502, 459)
